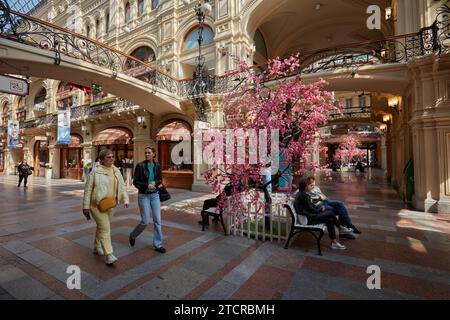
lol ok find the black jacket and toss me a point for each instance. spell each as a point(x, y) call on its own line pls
point(24, 169)
point(141, 175)
point(304, 205)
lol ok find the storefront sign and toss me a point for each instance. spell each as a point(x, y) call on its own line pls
point(39, 107)
point(43, 138)
point(16, 86)
point(201, 125)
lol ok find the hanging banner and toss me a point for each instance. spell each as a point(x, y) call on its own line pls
point(13, 134)
point(63, 126)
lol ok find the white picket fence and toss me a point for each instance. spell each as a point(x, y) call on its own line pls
point(250, 223)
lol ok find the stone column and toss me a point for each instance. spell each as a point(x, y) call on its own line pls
point(142, 139)
point(54, 155)
point(383, 153)
point(214, 116)
point(430, 125)
point(89, 150)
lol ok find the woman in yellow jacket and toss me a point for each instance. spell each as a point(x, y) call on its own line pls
point(105, 181)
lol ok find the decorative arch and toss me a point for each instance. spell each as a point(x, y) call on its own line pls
point(166, 127)
point(113, 135)
point(144, 53)
point(141, 41)
point(76, 140)
point(4, 105)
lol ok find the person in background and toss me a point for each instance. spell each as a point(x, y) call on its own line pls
point(24, 171)
point(95, 164)
point(104, 182)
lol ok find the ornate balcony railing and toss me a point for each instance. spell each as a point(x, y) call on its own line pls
point(78, 113)
point(353, 113)
point(31, 31)
point(26, 29)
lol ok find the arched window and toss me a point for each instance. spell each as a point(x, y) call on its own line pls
point(145, 54)
point(64, 96)
point(127, 12)
point(21, 113)
point(97, 28)
point(141, 7)
point(107, 22)
point(191, 40)
point(39, 100)
point(88, 30)
point(5, 114)
point(155, 4)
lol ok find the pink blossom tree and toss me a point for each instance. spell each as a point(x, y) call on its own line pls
point(348, 150)
point(273, 99)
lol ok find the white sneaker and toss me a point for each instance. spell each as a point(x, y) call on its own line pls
point(345, 230)
point(337, 245)
point(99, 251)
point(111, 259)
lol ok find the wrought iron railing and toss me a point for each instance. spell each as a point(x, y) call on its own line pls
point(31, 31)
point(22, 28)
point(77, 113)
point(352, 113)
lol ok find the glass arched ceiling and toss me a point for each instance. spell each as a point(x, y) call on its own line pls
point(25, 6)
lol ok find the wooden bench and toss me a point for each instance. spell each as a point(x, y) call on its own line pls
point(216, 213)
point(299, 223)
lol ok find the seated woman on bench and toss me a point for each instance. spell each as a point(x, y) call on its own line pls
point(303, 205)
point(338, 207)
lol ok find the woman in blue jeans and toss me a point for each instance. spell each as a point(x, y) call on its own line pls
point(147, 178)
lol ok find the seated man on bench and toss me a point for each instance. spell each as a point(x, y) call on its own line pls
point(214, 202)
point(338, 207)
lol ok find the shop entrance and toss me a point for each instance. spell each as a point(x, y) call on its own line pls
point(41, 158)
point(174, 175)
point(71, 167)
point(120, 141)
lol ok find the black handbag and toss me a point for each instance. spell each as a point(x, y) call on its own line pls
point(163, 194)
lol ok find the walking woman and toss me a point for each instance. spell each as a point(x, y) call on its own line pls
point(104, 189)
point(24, 171)
point(147, 178)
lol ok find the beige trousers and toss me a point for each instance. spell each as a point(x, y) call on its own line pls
point(103, 231)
